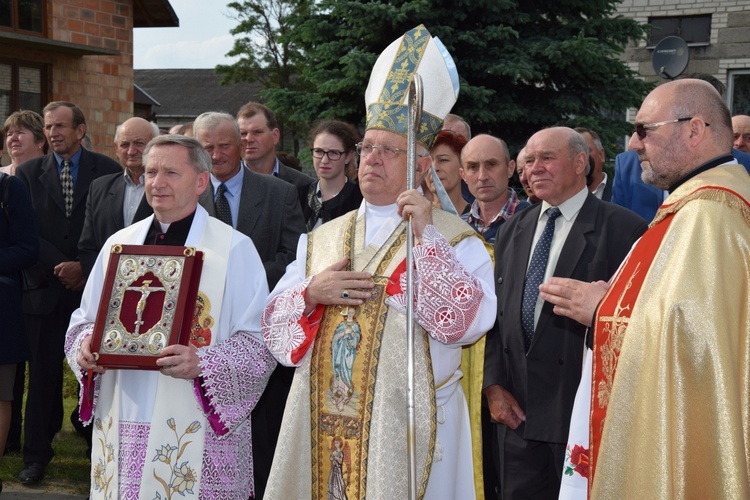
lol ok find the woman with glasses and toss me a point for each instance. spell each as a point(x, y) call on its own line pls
point(446, 158)
point(333, 144)
point(24, 138)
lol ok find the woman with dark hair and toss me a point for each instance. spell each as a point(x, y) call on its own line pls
point(333, 144)
point(19, 248)
point(24, 138)
point(446, 159)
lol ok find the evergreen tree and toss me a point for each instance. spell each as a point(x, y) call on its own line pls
point(523, 65)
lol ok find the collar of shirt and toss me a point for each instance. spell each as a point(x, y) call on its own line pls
point(275, 172)
point(129, 182)
point(74, 161)
point(599, 191)
point(233, 185)
point(505, 213)
point(570, 207)
point(174, 234)
point(715, 162)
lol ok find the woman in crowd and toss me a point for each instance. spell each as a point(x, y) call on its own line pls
point(333, 144)
point(446, 159)
point(24, 138)
point(19, 248)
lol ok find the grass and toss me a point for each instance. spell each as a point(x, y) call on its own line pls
point(69, 470)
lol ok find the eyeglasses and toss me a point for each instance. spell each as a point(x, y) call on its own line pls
point(333, 155)
point(642, 128)
point(387, 152)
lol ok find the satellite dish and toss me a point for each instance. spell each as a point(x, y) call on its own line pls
point(671, 57)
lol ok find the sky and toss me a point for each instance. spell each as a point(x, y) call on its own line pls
point(201, 41)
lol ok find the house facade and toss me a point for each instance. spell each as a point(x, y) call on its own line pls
point(75, 50)
point(717, 35)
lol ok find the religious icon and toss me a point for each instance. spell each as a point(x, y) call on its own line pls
point(148, 298)
point(338, 479)
point(344, 344)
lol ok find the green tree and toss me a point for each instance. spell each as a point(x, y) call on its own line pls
point(267, 53)
point(523, 65)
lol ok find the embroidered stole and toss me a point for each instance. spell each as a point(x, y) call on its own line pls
point(355, 384)
point(174, 456)
point(612, 317)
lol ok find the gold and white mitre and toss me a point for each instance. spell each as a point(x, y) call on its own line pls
point(387, 93)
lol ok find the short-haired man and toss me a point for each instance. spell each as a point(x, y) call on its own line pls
point(58, 183)
point(669, 368)
point(115, 201)
point(267, 210)
point(741, 129)
point(486, 167)
point(533, 358)
point(599, 184)
point(260, 135)
point(335, 317)
point(185, 427)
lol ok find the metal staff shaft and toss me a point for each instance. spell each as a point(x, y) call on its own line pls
point(415, 117)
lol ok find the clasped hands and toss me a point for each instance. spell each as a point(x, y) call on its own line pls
point(177, 361)
point(70, 275)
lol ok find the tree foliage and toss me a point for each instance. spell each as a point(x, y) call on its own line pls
point(523, 65)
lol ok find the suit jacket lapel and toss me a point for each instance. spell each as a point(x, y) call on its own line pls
point(143, 210)
point(522, 238)
point(116, 196)
point(571, 252)
point(86, 174)
point(50, 179)
point(250, 201)
point(206, 200)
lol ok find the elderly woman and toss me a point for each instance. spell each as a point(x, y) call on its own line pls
point(446, 159)
point(24, 138)
point(19, 248)
point(333, 144)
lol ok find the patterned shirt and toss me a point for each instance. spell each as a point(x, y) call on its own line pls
point(489, 230)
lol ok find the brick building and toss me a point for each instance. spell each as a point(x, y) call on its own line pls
point(75, 50)
point(717, 34)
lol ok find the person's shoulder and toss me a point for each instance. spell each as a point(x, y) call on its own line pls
point(106, 180)
point(627, 161)
point(33, 165)
point(292, 175)
point(107, 164)
point(268, 182)
point(742, 158)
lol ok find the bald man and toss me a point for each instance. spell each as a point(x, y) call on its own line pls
point(533, 356)
point(741, 129)
point(117, 200)
point(670, 332)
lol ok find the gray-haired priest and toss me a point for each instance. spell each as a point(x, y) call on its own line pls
point(186, 427)
point(339, 315)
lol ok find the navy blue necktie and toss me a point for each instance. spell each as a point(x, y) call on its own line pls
point(535, 275)
point(223, 212)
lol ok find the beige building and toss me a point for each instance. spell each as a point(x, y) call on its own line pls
point(717, 34)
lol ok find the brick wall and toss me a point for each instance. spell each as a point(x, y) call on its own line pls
point(102, 86)
point(730, 35)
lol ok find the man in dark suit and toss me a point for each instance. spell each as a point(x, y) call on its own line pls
point(116, 201)
point(58, 184)
point(267, 210)
point(260, 135)
point(533, 357)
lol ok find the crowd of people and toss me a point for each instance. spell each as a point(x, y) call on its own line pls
point(586, 335)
